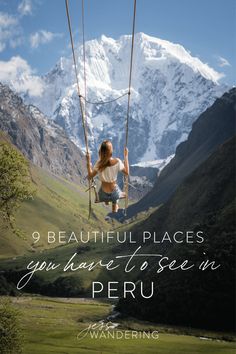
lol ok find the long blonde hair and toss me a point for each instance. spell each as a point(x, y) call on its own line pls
point(105, 153)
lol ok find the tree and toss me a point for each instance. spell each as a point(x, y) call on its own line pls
point(15, 182)
point(11, 335)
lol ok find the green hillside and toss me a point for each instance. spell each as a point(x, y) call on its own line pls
point(59, 205)
point(53, 283)
point(205, 202)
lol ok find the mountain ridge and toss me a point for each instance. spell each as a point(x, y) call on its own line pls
point(170, 88)
point(41, 141)
point(211, 129)
point(204, 201)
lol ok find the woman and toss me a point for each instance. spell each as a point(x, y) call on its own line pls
point(107, 168)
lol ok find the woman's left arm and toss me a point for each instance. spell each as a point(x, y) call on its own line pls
point(91, 172)
point(126, 161)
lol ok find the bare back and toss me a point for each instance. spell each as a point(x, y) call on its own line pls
point(108, 187)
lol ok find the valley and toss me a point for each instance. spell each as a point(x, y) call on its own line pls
point(169, 264)
point(52, 325)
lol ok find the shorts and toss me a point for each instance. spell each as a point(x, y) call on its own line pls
point(113, 197)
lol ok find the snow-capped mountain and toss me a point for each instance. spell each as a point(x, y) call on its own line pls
point(170, 89)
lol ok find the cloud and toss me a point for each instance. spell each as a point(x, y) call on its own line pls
point(42, 37)
point(18, 74)
point(25, 8)
point(10, 31)
point(223, 62)
point(7, 20)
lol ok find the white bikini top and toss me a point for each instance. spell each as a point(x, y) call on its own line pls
point(109, 174)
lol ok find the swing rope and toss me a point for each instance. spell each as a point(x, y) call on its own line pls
point(81, 98)
point(82, 108)
point(91, 182)
point(105, 102)
point(126, 181)
point(84, 66)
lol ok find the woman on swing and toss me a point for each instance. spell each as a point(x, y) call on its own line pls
point(107, 168)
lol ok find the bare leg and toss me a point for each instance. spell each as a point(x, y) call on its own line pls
point(115, 208)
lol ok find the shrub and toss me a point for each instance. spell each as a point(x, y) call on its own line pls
point(11, 335)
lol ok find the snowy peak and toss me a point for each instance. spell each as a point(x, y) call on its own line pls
point(150, 49)
point(159, 49)
point(170, 89)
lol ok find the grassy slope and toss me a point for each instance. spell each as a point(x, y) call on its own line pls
point(51, 326)
point(97, 251)
point(58, 205)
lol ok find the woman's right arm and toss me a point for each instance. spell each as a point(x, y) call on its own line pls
point(126, 161)
point(91, 172)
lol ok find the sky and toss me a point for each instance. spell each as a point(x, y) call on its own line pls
point(34, 33)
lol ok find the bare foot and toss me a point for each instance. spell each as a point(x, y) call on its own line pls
point(115, 208)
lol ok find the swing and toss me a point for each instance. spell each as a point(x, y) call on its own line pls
point(92, 184)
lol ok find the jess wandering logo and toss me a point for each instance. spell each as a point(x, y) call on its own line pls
point(108, 330)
